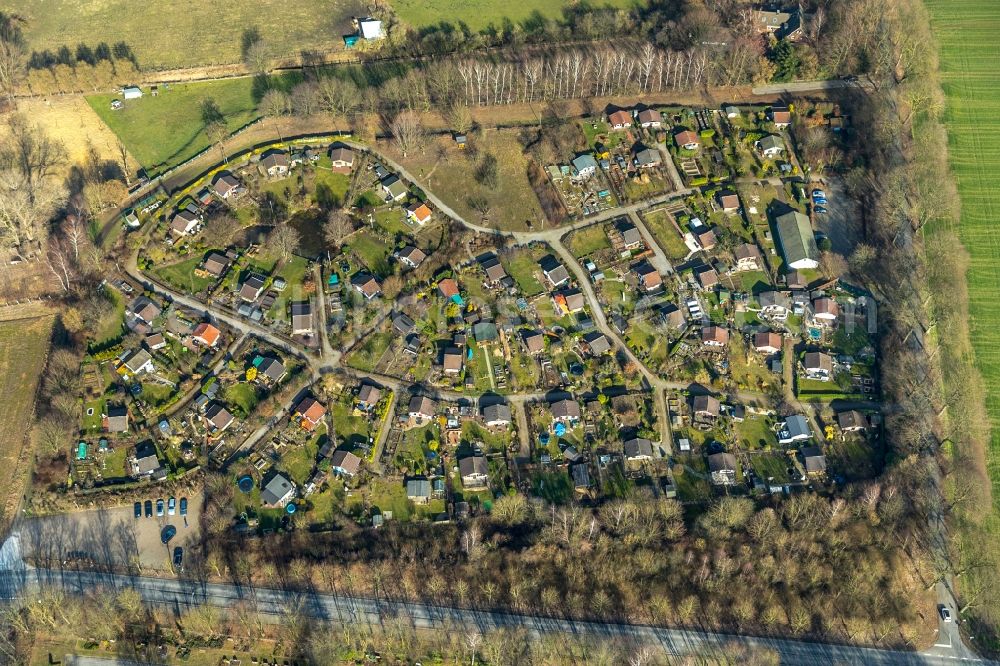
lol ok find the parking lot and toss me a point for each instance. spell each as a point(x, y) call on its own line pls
point(108, 537)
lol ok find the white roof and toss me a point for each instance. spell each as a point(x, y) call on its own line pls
point(370, 28)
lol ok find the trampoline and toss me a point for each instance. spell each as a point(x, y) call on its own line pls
point(245, 484)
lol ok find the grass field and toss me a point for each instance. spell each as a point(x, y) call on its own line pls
point(482, 13)
point(175, 33)
point(966, 34)
point(168, 129)
point(24, 345)
point(589, 240)
point(666, 234)
point(181, 275)
point(510, 206)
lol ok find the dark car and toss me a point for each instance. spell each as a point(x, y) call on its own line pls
point(138, 509)
point(159, 507)
point(149, 508)
point(820, 210)
point(168, 533)
point(179, 558)
point(184, 506)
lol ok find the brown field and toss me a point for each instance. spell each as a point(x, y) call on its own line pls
point(70, 120)
point(24, 346)
point(449, 173)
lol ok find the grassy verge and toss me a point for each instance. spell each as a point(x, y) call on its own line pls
point(24, 346)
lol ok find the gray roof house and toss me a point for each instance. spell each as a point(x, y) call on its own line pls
point(116, 419)
point(278, 492)
point(723, 469)
point(814, 460)
point(585, 165)
point(647, 158)
point(794, 429)
point(497, 415)
point(145, 462)
point(554, 272)
point(418, 490)
point(798, 245)
point(565, 410)
point(345, 463)
point(474, 471)
point(422, 407)
point(639, 448)
point(302, 318)
point(770, 145)
point(597, 342)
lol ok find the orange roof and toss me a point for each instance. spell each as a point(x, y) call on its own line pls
point(207, 334)
point(421, 212)
point(620, 117)
point(448, 287)
point(312, 412)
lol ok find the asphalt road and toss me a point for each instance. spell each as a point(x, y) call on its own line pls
point(180, 595)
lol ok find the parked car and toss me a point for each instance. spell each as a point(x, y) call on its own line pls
point(184, 506)
point(159, 507)
point(818, 193)
point(138, 509)
point(819, 210)
point(171, 506)
point(179, 558)
point(149, 508)
point(168, 533)
point(945, 613)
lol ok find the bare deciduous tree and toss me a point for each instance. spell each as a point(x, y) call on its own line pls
point(284, 239)
point(338, 226)
point(407, 131)
point(274, 104)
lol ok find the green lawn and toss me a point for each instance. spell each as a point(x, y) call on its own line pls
point(92, 424)
point(110, 327)
point(298, 461)
point(372, 251)
point(666, 234)
point(589, 240)
point(772, 467)
point(366, 355)
point(294, 272)
point(522, 267)
point(337, 183)
point(483, 13)
point(649, 344)
point(167, 129)
point(241, 398)
point(181, 275)
point(392, 220)
point(349, 428)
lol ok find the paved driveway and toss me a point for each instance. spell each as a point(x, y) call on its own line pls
point(108, 536)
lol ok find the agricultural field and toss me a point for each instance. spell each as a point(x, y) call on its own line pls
point(484, 13)
point(174, 33)
point(451, 174)
point(167, 129)
point(24, 345)
point(966, 33)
